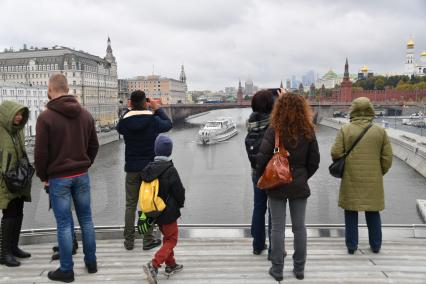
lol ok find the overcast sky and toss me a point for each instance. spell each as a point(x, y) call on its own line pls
point(221, 41)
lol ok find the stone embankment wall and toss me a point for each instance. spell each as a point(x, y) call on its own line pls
point(408, 147)
point(107, 137)
point(103, 137)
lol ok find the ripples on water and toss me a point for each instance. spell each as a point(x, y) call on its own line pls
point(218, 184)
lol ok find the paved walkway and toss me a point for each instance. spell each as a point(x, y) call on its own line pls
point(229, 260)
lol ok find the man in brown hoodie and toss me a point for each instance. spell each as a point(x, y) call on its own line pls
point(66, 146)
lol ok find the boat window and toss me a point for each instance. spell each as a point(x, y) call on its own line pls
point(213, 124)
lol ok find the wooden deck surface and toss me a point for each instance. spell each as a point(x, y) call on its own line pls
point(230, 260)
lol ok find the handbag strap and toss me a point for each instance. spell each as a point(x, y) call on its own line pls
point(277, 142)
point(358, 139)
point(278, 145)
point(24, 154)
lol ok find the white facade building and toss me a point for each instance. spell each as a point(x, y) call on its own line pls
point(33, 97)
point(92, 79)
point(411, 66)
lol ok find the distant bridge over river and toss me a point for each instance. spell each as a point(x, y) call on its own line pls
point(179, 112)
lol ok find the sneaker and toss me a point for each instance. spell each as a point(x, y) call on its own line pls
point(92, 267)
point(129, 244)
point(63, 276)
point(298, 275)
point(153, 244)
point(172, 269)
point(351, 251)
point(276, 277)
point(56, 255)
point(151, 273)
point(375, 250)
point(74, 247)
point(259, 251)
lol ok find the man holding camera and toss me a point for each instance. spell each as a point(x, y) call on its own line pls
point(139, 127)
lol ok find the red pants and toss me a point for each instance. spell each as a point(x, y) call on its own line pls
point(165, 253)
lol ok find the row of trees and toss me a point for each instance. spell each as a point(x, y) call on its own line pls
point(399, 82)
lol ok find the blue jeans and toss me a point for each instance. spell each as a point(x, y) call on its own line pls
point(62, 191)
point(258, 219)
point(374, 225)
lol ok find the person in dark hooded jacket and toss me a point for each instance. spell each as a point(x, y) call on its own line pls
point(13, 118)
point(173, 193)
point(139, 127)
point(65, 148)
point(261, 104)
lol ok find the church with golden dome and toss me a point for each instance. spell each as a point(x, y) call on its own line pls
point(412, 67)
point(364, 73)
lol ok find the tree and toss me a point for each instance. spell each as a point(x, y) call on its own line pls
point(379, 84)
point(420, 86)
point(404, 86)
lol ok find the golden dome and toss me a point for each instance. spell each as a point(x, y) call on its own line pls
point(364, 69)
point(423, 54)
point(410, 43)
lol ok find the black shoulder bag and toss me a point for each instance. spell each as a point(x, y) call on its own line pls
point(337, 167)
point(18, 178)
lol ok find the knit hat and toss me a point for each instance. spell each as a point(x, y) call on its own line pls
point(163, 146)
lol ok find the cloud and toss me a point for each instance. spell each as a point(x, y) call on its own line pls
point(221, 41)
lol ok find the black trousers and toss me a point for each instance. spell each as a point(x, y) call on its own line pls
point(14, 209)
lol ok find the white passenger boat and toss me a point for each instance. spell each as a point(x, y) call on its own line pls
point(217, 130)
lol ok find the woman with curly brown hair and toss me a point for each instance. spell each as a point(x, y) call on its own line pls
point(292, 119)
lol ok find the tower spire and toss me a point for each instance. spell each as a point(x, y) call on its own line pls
point(346, 74)
point(239, 92)
point(182, 76)
point(109, 56)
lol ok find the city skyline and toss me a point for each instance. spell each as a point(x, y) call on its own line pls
point(220, 42)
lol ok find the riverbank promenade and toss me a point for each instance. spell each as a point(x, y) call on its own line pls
point(223, 255)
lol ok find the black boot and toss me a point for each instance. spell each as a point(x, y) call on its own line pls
point(74, 243)
point(56, 255)
point(16, 251)
point(6, 233)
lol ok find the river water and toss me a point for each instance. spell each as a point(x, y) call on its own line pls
point(218, 184)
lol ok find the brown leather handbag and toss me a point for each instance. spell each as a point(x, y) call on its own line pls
point(277, 171)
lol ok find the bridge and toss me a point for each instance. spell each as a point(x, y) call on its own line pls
point(326, 108)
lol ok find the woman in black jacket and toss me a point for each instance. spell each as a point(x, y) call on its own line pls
point(292, 119)
point(261, 104)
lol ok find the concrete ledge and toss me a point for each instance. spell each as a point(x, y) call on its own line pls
point(197, 231)
point(421, 206)
point(408, 147)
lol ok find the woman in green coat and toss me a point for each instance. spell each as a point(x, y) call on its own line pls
point(13, 118)
point(361, 188)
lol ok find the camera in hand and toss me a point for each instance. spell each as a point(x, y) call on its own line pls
point(148, 100)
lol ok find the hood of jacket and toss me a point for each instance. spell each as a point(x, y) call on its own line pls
point(154, 169)
point(8, 110)
point(137, 119)
point(257, 120)
point(67, 106)
point(361, 109)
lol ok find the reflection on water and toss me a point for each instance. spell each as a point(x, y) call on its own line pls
point(218, 184)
